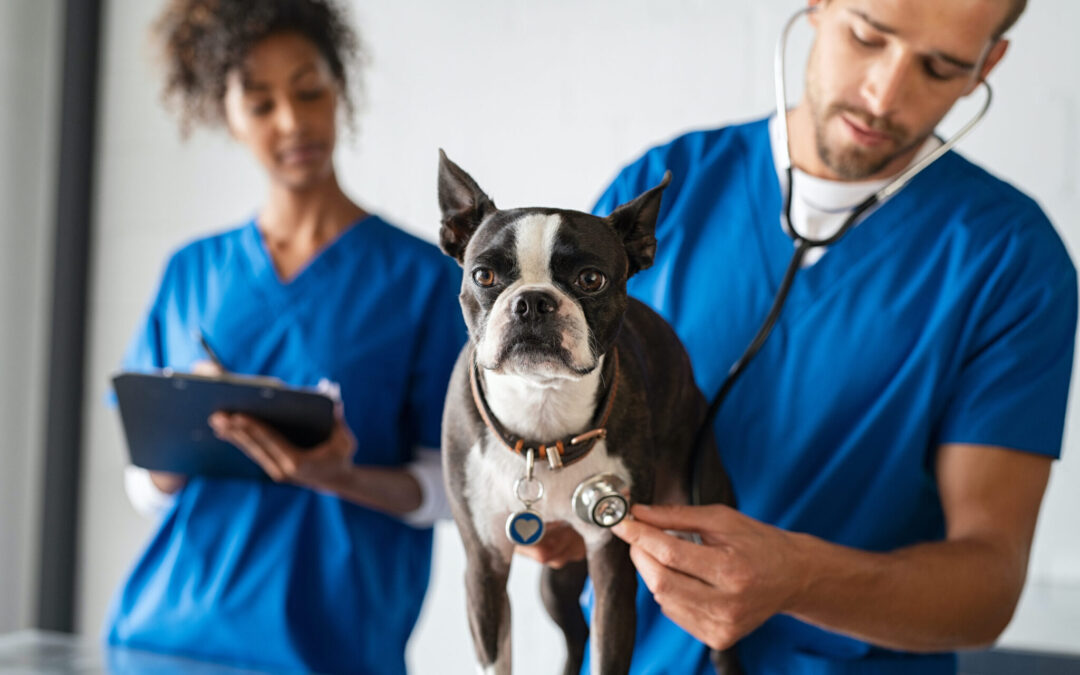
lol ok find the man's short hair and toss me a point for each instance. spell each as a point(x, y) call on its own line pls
point(1016, 8)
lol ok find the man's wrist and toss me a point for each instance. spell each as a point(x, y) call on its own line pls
point(803, 559)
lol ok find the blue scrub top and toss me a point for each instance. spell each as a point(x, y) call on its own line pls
point(946, 316)
point(280, 577)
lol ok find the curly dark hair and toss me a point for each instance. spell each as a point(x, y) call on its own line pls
point(204, 40)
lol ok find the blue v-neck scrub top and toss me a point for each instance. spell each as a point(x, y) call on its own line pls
point(946, 316)
point(280, 577)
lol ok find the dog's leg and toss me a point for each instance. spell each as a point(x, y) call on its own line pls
point(561, 591)
point(614, 617)
point(486, 573)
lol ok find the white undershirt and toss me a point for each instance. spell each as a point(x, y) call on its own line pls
point(820, 207)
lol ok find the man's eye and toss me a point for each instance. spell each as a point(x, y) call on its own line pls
point(861, 40)
point(591, 280)
point(310, 94)
point(261, 109)
point(940, 71)
point(484, 277)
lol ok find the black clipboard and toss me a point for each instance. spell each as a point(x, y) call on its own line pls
point(165, 419)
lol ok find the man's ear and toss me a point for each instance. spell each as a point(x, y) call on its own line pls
point(635, 223)
point(815, 7)
point(993, 56)
point(464, 206)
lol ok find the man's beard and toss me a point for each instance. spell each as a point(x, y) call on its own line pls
point(852, 162)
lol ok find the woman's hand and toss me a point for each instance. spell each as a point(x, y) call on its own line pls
point(745, 572)
point(171, 483)
point(327, 466)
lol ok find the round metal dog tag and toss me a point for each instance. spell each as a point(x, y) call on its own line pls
point(525, 527)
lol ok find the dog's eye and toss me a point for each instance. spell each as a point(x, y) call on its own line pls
point(591, 280)
point(484, 277)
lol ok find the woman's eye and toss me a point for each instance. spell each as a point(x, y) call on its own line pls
point(484, 277)
point(591, 280)
point(261, 109)
point(311, 94)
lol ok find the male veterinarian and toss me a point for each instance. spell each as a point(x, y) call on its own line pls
point(890, 444)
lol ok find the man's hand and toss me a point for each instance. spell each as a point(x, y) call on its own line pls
point(560, 545)
point(745, 572)
point(327, 466)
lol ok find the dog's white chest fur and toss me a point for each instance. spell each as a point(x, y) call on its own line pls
point(492, 469)
point(538, 412)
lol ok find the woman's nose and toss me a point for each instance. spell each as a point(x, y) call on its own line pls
point(287, 118)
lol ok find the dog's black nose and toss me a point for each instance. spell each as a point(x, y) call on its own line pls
point(534, 304)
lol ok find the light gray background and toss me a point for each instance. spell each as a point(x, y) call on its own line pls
point(542, 103)
point(29, 82)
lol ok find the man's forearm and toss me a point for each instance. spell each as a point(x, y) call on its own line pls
point(929, 597)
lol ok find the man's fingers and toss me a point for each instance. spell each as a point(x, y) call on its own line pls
point(700, 519)
point(668, 585)
point(685, 600)
point(668, 550)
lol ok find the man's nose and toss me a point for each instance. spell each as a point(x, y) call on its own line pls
point(883, 87)
point(533, 305)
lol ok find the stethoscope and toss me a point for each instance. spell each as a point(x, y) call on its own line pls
point(804, 244)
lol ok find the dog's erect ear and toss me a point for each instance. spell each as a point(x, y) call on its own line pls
point(464, 206)
point(635, 223)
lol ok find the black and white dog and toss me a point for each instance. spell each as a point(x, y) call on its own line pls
point(566, 385)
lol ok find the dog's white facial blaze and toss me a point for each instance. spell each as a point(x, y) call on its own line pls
point(535, 236)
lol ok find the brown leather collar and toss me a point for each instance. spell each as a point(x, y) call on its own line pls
point(558, 453)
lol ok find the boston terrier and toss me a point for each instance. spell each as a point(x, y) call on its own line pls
point(570, 401)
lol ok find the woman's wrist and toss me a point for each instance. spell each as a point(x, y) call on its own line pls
point(391, 490)
point(169, 483)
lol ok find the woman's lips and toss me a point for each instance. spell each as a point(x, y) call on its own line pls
point(305, 153)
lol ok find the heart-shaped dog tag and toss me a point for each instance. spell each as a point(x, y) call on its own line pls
point(525, 528)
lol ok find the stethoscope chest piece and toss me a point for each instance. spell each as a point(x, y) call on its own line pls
point(602, 500)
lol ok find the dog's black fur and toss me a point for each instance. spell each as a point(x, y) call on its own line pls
point(653, 423)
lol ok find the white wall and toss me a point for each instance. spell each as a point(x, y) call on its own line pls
point(541, 102)
point(29, 39)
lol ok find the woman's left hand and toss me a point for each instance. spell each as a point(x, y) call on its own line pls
point(326, 466)
point(745, 572)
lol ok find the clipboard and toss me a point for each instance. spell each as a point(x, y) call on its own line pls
point(165, 419)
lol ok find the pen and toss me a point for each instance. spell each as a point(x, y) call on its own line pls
point(210, 352)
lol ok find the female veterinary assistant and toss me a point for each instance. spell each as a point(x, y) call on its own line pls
point(325, 568)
